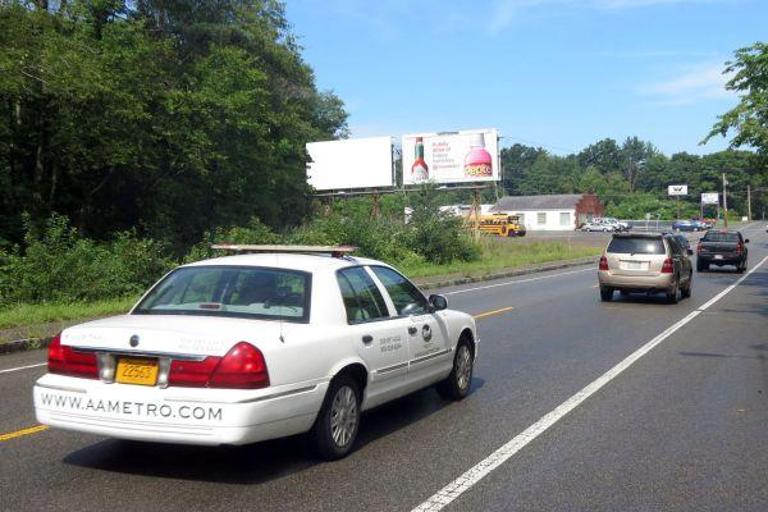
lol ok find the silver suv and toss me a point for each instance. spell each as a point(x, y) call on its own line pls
point(645, 263)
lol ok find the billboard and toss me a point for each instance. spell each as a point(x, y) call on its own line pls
point(710, 198)
point(350, 164)
point(677, 190)
point(466, 156)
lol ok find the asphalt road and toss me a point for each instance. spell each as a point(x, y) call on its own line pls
point(683, 428)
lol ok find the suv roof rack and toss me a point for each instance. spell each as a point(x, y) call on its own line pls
point(335, 251)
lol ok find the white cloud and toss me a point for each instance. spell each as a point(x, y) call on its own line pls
point(693, 85)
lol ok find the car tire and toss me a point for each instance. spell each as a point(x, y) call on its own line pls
point(672, 295)
point(456, 385)
point(685, 292)
point(606, 294)
point(335, 430)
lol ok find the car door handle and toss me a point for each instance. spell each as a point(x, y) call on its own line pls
point(412, 330)
point(367, 339)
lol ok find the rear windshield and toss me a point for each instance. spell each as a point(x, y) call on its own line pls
point(637, 245)
point(721, 237)
point(246, 292)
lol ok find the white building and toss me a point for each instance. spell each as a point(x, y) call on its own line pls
point(559, 212)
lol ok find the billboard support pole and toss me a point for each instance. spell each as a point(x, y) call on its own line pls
point(375, 206)
point(476, 212)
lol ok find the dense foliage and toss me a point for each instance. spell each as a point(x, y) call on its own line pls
point(749, 119)
point(59, 264)
point(169, 117)
point(632, 178)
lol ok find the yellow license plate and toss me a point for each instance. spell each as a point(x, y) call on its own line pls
point(136, 371)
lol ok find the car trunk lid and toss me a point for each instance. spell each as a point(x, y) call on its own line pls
point(171, 334)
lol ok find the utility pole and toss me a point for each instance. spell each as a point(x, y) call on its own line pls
point(749, 204)
point(725, 201)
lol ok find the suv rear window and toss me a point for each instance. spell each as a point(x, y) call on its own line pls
point(639, 245)
point(732, 238)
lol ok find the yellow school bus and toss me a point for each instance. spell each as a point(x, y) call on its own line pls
point(499, 224)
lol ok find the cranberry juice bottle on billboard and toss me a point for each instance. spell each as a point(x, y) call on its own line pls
point(478, 162)
point(419, 169)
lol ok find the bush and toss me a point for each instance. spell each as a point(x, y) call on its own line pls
point(439, 237)
point(59, 265)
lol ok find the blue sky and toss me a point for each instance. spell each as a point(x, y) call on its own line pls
point(554, 73)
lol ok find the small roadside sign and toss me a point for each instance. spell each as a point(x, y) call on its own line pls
point(710, 198)
point(677, 190)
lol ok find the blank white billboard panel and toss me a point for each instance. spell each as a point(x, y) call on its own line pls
point(350, 164)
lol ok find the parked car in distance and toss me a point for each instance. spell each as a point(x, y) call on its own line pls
point(597, 226)
point(686, 225)
point(645, 263)
point(722, 248)
point(244, 348)
point(616, 223)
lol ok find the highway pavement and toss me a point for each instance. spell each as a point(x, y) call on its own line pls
point(575, 405)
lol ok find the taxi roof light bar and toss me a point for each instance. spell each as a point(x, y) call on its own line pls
point(336, 251)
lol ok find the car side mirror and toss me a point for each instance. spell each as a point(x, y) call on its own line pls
point(438, 302)
point(690, 252)
point(746, 241)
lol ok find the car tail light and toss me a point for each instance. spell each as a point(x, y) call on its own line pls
point(194, 374)
point(603, 263)
point(667, 267)
point(739, 248)
point(698, 248)
point(64, 360)
point(243, 367)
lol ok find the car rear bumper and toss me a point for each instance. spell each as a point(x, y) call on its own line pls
point(660, 282)
point(728, 259)
point(151, 414)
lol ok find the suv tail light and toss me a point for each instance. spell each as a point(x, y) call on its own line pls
point(668, 267)
point(740, 248)
point(603, 263)
point(243, 367)
point(698, 248)
point(64, 360)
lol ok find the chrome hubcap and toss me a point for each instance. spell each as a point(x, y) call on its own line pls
point(344, 416)
point(463, 367)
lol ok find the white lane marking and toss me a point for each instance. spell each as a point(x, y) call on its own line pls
point(507, 283)
point(19, 368)
point(465, 482)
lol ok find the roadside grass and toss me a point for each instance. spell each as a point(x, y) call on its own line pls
point(34, 314)
point(499, 254)
point(40, 320)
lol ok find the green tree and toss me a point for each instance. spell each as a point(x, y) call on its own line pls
point(749, 119)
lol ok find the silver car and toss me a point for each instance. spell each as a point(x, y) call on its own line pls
point(645, 263)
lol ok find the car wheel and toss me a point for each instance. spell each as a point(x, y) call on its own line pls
point(685, 292)
point(672, 295)
point(456, 385)
point(336, 426)
point(606, 294)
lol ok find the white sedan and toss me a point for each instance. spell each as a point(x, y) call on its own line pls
point(257, 346)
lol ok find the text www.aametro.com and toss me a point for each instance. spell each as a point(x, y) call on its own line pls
point(130, 408)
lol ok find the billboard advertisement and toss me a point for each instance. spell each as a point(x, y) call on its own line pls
point(466, 156)
point(677, 190)
point(350, 164)
point(710, 198)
